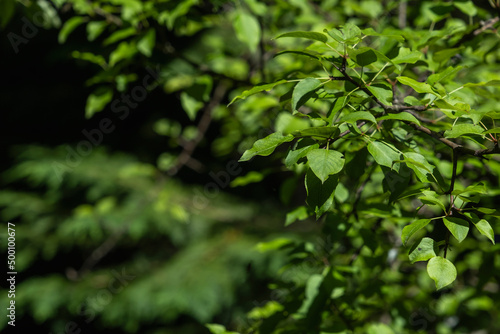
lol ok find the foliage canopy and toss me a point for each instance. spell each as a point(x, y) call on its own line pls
point(375, 120)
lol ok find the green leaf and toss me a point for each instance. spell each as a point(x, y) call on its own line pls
point(407, 56)
point(483, 84)
point(119, 35)
point(494, 130)
point(266, 146)
point(358, 115)
point(444, 55)
point(461, 129)
point(294, 155)
point(466, 7)
point(364, 56)
point(383, 153)
point(325, 162)
point(325, 132)
point(69, 26)
point(300, 53)
point(320, 194)
point(98, 100)
point(410, 230)
point(447, 74)
point(299, 213)
point(218, 329)
point(351, 32)
point(250, 177)
point(424, 250)
point(371, 32)
point(147, 43)
point(485, 229)
point(7, 9)
point(247, 30)
point(190, 105)
point(123, 51)
point(420, 166)
point(442, 271)
point(458, 227)
point(479, 188)
point(382, 93)
point(95, 29)
point(257, 89)
point(419, 87)
point(402, 116)
point(431, 198)
point(299, 95)
point(316, 36)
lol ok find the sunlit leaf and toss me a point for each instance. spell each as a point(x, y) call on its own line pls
point(442, 271)
point(458, 227)
point(325, 162)
point(266, 145)
point(304, 87)
point(410, 230)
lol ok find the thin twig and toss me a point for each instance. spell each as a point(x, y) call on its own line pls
point(185, 156)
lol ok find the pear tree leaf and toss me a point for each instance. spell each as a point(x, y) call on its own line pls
point(410, 230)
point(300, 91)
point(419, 87)
point(266, 146)
point(383, 153)
point(442, 271)
point(257, 89)
point(457, 226)
point(424, 250)
point(402, 116)
point(485, 229)
point(325, 162)
point(311, 35)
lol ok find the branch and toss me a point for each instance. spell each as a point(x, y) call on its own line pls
point(185, 156)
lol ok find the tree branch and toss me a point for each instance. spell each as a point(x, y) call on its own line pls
point(185, 156)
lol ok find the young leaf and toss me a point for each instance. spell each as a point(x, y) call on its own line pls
point(419, 87)
point(383, 153)
point(325, 162)
point(485, 229)
point(411, 229)
point(423, 251)
point(457, 226)
point(316, 36)
point(266, 145)
point(302, 89)
point(442, 271)
point(320, 194)
point(257, 89)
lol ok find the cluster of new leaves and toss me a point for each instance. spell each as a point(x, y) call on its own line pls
point(395, 107)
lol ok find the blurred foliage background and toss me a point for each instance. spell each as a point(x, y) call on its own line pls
point(119, 169)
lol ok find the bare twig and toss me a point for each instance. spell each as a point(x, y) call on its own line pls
point(184, 157)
